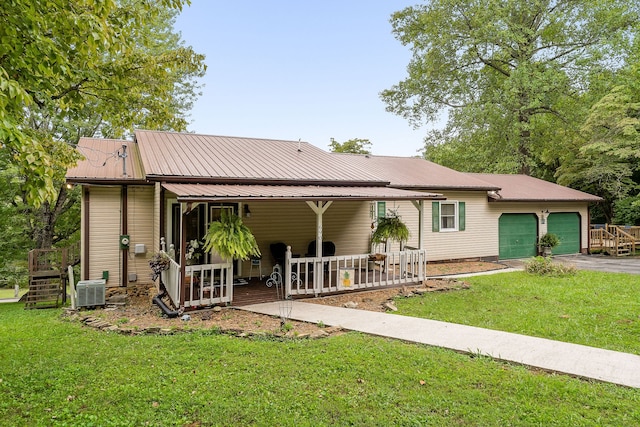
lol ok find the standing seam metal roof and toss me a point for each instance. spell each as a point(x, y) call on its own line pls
point(416, 173)
point(523, 188)
point(205, 157)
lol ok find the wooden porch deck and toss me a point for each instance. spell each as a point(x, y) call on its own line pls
point(256, 291)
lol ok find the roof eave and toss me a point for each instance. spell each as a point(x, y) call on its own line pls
point(261, 181)
point(106, 181)
point(492, 199)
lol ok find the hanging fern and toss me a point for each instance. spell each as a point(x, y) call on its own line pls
point(230, 238)
point(390, 228)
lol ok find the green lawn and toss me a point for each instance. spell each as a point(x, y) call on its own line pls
point(58, 373)
point(590, 308)
point(9, 293)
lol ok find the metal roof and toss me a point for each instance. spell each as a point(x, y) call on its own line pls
point(104, 161)
point(416, 173)
point(222, 159)
point(523, 188)
point(224, 192)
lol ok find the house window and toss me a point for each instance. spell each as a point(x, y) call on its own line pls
point(448, 216)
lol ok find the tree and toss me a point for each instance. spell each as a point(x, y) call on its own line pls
point(147, 81)
point(606, 160)
point(512, 76)
point(355, 146)
point(56, 56)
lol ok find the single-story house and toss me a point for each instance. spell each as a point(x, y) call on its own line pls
point(161, 190)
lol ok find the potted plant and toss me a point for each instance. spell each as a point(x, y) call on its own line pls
point(547, 242)
point(230, 238)
point(194, 252)
point(390, 227)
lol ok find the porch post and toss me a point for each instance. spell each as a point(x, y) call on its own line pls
point(420, 206)
point(319, 208)
point(287, 274)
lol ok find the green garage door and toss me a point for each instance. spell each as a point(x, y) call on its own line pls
point(567, 227)
point(518, 235)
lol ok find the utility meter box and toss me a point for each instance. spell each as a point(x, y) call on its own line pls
point(124, 241)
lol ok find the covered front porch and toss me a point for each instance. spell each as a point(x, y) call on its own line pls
point(293, 275)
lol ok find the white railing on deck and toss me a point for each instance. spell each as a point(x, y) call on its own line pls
point(171, 280)
point(208, 284)
point(351, 272)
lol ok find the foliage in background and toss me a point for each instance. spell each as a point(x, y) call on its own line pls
point(627, 211)
point(230, 238)
point(355, 146)
point(516, 81)
point(78, 68)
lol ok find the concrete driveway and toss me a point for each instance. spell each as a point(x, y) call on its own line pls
point(602, 263)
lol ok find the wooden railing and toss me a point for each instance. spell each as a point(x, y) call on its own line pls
point(615, 240)
point(351, 272)
point(171, 280)
point(45, 262)
point(208, 284)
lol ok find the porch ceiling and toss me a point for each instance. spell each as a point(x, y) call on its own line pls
point(232, 193)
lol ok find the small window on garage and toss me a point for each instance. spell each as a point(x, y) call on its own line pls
point(448, 216)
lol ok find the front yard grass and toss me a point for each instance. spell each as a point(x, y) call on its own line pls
point(58, 373)
point(590, 308)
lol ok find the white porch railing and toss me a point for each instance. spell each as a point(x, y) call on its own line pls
point(351, 272)
point(171, 280)
point(208, 284)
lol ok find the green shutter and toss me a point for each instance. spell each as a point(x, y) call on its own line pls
point(461, 216)
point(435, 216)
point(382, 210)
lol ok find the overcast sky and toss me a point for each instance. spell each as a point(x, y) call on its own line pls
point(300, 69)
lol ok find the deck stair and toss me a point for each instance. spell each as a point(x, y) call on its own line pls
point(615, 240)
point(48, 276)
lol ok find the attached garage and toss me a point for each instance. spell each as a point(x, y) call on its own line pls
point(565, 225)
point(518, 235)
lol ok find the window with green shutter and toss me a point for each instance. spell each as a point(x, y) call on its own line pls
point(448, 216)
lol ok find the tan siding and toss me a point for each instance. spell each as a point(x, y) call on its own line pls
point(83, 236)
point(104, 231)
point(141, 230)
point(478, 240)
point(347, 224)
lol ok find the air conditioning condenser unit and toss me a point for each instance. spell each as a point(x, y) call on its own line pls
point(90, 293)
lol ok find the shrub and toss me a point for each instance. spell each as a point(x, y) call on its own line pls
point(549, 240)
point(542, 266)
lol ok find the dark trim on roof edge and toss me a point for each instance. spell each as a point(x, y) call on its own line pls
point(168, 179)
point(85, 181)
point(194, 199)
point(444, 187)
point(493, 200)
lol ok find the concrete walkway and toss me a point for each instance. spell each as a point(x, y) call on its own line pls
point(573, 359)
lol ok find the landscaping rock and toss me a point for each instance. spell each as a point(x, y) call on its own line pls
point(350, 304)
point(389, 305)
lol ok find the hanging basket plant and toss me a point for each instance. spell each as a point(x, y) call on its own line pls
point(230, 238)
point(158, 263)
point(390, 227)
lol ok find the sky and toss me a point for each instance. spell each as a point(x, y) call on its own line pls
point(307, 70)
